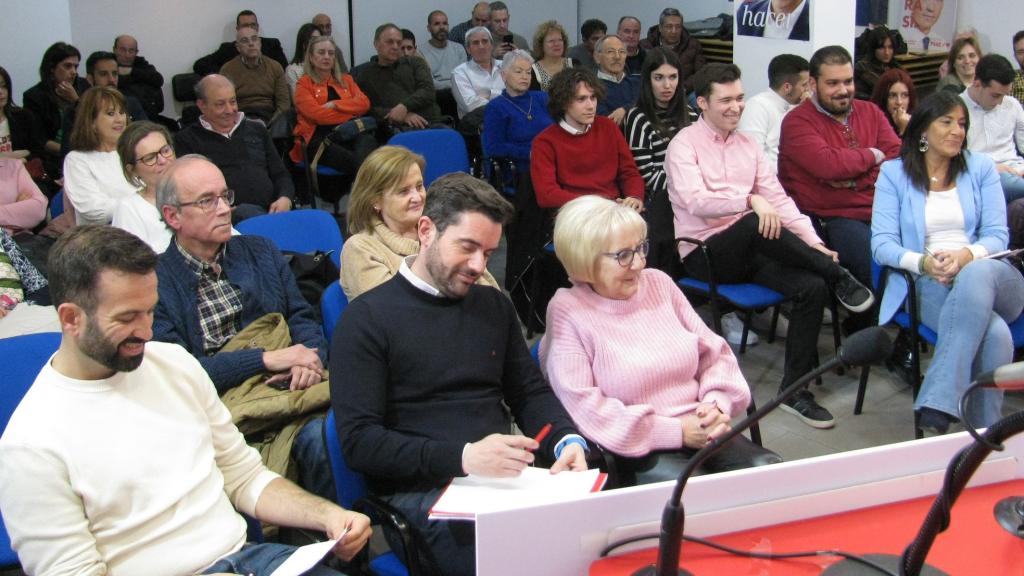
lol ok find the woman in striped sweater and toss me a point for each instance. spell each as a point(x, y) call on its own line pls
point(660, 112)
point(627, 355)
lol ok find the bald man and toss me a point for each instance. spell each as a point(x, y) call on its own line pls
point(137, 77)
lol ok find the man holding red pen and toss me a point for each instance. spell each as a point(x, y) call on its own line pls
point(434, 368)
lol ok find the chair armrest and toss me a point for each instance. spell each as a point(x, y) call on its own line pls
point(381, 512)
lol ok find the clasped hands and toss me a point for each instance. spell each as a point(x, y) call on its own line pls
point(703, 425)
point(298, 363)
point(943, 266)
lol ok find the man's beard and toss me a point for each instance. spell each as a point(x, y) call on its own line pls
point(94, 345)
point(444, 278)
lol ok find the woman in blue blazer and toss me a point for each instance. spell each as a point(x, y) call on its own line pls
point(938, 212)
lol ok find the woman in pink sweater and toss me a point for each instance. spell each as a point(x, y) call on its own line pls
point(631, 361)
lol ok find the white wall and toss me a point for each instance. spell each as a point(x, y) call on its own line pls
point(996, 22)
point(524, 16)
point(647, 11)
point(173, 34)
point(27, 29)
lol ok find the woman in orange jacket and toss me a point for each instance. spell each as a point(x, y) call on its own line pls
point(330, 104)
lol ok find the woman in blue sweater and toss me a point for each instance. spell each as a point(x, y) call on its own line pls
point(512, 120)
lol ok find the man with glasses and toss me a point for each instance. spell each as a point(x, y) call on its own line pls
point(621, 89)
point(240, 147)
point(219, 297)
point(269, 47)
point(670, 33)
point(829, 154)
point(724, 193)
point(260, 84)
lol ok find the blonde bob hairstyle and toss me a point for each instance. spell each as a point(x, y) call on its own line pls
point(582, 229)
point(383, 170)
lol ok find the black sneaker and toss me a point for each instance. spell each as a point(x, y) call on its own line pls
point(853, 295)
point(803, 406)
point(934, 421)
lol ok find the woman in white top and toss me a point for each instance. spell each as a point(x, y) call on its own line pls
point(938, 212)
point(93, 178)
point(294, 70)
point(145, 151)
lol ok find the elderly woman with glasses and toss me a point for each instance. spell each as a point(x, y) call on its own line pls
point(631, 361)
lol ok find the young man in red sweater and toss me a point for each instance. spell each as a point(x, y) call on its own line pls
point(583, 153)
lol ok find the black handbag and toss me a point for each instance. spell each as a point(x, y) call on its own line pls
point(347, 131)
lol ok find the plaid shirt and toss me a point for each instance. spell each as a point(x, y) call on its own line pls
point(220, 302)
point(1017, 88)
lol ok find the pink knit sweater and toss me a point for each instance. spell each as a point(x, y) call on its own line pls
point(626, 370)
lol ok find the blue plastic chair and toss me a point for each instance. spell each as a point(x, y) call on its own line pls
point(298, 231)
point(57, 204)
point(332, 304)
point(23, 357)
point(352, 493)
point(443, 148)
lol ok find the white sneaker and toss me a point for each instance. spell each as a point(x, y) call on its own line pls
point(733, 328)
point(762, 321)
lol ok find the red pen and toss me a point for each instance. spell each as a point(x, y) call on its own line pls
point(543, 433)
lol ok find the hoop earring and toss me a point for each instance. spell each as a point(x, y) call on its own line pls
point(923, 144)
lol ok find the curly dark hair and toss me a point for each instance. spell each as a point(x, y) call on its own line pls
point(563, 85)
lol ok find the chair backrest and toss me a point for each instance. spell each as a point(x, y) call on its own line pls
point(23, 357)
point(57, 204)
point(348, 484)
point(298, 231)
point(535, 351)
point(332, 304)
point(443, 148)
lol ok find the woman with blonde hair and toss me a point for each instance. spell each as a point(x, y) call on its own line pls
point(94, 181)
point(627, 355)
point(329, 107)
point(550, 43)
point(383, 213)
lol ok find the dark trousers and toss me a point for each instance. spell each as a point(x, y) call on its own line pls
point(450, 546)
point(852, 240)
point(787, 265)
point(738, 454)
point(345, 157)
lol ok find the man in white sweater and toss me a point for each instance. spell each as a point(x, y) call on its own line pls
point(121, 458)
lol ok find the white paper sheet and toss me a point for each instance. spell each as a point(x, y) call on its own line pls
point(305, 557)
point(465, 497)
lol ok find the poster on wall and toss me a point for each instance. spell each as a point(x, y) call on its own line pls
point(928, 25)
point(780, 19)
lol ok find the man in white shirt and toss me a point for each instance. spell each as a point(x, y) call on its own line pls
point(477, 81)
point(997, 122)
point(789, 83)
point(442, 55)
point(121, 458)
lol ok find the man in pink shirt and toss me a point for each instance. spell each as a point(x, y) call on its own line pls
point(724, 192)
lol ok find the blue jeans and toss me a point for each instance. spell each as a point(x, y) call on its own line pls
point(310, 455)
point(261, 560)
point(1013, 186)
point(973, 337)
point(451, 544)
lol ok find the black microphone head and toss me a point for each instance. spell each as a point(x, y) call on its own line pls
point(867, 346)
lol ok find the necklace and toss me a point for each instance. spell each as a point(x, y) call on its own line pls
point(527, 113)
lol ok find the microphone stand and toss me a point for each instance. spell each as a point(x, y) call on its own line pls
point(673, 517)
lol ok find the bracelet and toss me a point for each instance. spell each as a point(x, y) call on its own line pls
point(920, 264)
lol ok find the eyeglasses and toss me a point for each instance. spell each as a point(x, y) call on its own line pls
point(625, 256)
point(210, 203)
point(150, 159)
point(247, 40)
point(613, 52)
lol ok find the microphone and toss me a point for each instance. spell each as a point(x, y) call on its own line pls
point(1009, 512)
point(868, 346)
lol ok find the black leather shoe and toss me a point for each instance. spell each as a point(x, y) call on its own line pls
point(900, 361)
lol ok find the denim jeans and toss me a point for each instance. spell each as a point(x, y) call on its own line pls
point(970, 317)
point(1013, 186)
point(261, 560)
point(310, 455)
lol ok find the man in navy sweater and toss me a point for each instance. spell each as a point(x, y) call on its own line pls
point(435, 369)
point(621, 89)
point(213, 284)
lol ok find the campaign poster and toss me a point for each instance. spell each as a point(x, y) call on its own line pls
point(928, 25)
point(779, 19)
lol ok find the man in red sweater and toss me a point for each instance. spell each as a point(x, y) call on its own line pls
point(829, 152)
point(583, 153)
